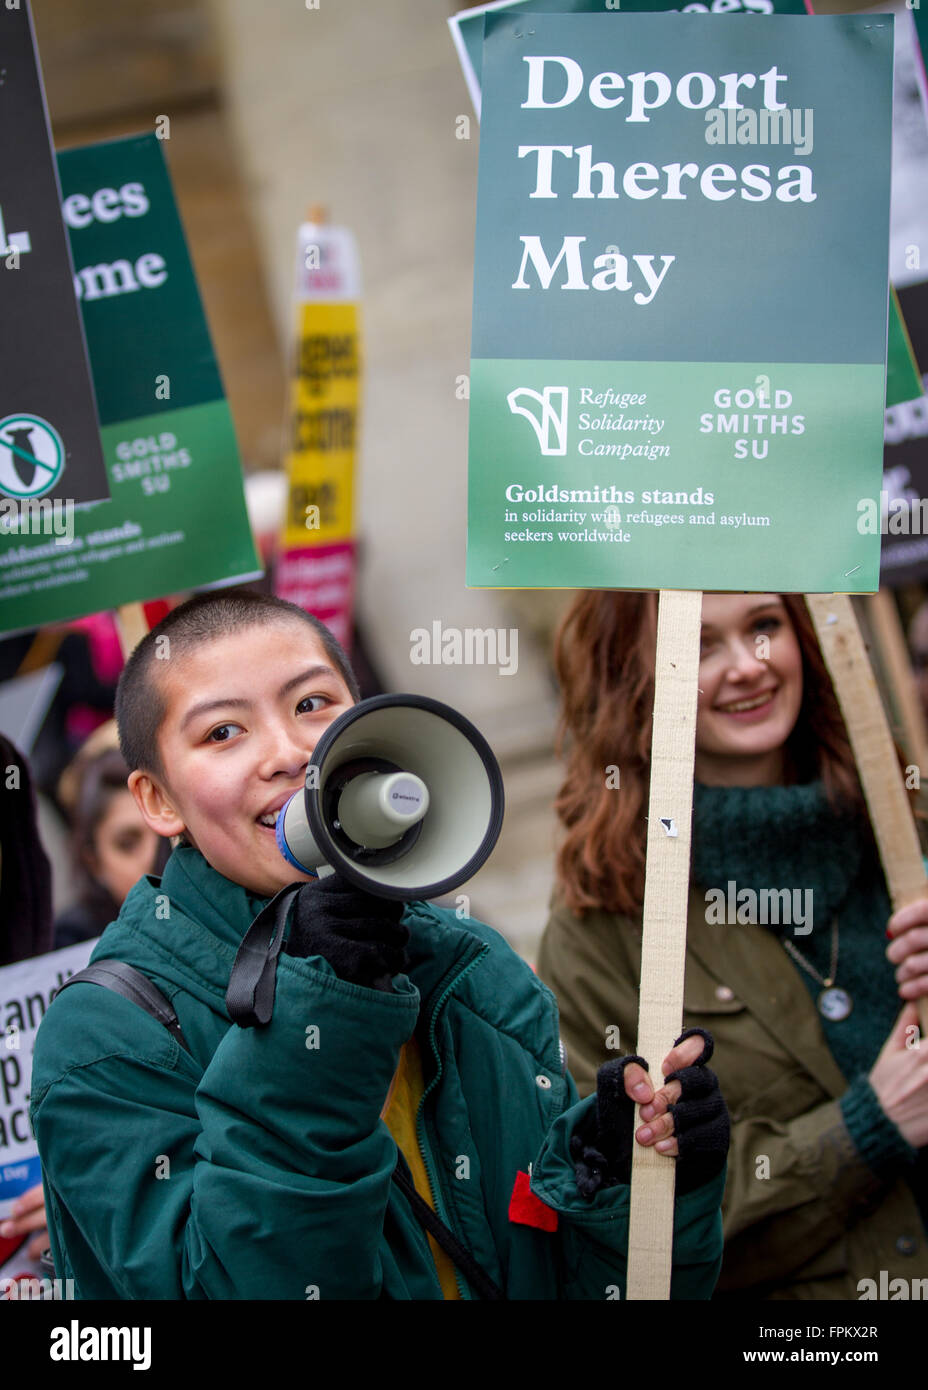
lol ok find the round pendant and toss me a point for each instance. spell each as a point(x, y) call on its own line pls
point(835, 1004)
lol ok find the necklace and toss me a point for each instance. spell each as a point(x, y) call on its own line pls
point(833, 1003)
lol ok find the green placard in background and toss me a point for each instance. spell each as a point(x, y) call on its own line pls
point(903, 378)
point(177, 518)
point(678, 382)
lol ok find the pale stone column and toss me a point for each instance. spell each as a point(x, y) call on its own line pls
point(355, 105)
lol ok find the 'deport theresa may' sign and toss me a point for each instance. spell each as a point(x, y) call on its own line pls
point(680, 302)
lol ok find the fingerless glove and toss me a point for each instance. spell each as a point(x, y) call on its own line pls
point(602, 1147)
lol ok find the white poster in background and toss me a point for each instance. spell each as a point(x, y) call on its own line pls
point(26, 990)
point(905, 556)
point(908, 208)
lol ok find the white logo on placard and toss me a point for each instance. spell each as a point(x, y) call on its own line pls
point(552, 420)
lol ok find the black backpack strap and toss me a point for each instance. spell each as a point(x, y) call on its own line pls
point(133, 985)
point(253, 996)
point(475, 1273)
point(250, 995)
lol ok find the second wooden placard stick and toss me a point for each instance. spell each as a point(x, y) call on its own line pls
point(132, 626)
point(893, 656)
point(874, 752)
point(666, 894)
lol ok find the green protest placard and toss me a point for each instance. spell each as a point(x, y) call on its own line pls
point(675, 381)
point(903, 380)
point(176, 519)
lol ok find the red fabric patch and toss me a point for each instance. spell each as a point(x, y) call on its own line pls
point(525, 1209)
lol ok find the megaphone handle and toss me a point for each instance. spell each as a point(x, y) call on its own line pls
point(250, 993)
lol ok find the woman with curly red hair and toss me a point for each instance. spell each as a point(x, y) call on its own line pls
point(787, 960)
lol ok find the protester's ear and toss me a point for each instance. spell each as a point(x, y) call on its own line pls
point(155, 804)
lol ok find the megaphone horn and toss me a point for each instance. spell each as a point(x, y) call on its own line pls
point(403, 797)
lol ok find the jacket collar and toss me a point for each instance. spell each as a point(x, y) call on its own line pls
point(224, 907)
point(751, 962)
point(208, 915)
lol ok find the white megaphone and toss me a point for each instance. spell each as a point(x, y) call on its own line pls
point(403, 797)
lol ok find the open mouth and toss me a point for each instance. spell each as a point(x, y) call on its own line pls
point(757, 704)
point(268, 819)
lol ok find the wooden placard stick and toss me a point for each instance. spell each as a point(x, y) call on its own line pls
point(893, 656)
point(663, 948)
point(874, 752)
point(132, 625)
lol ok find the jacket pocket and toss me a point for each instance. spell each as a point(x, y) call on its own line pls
point(703, 994)
point(792, 1092)
point(716, 1008)
point(756, 1074)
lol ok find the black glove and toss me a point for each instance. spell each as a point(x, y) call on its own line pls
point(360, 935)
point(602, 1147)
point(700, 1118)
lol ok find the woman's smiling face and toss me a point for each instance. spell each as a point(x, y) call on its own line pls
point(243, 714)
point(750, 680)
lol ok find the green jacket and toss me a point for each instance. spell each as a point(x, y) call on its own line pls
point(259, 1166)
point(804, 1215)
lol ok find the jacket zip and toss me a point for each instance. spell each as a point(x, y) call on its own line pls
point(424, 1151)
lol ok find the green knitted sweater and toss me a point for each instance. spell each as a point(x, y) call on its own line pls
point(790, 837)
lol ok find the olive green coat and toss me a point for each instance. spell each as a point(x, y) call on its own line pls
point(804, 1216)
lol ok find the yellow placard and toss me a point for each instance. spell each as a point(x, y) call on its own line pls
point(320, 502)
point(322, 444)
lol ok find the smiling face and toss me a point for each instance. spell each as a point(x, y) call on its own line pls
point(750, 679)
point(243, 713)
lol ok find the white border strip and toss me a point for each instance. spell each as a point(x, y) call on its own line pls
point(467, 67)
